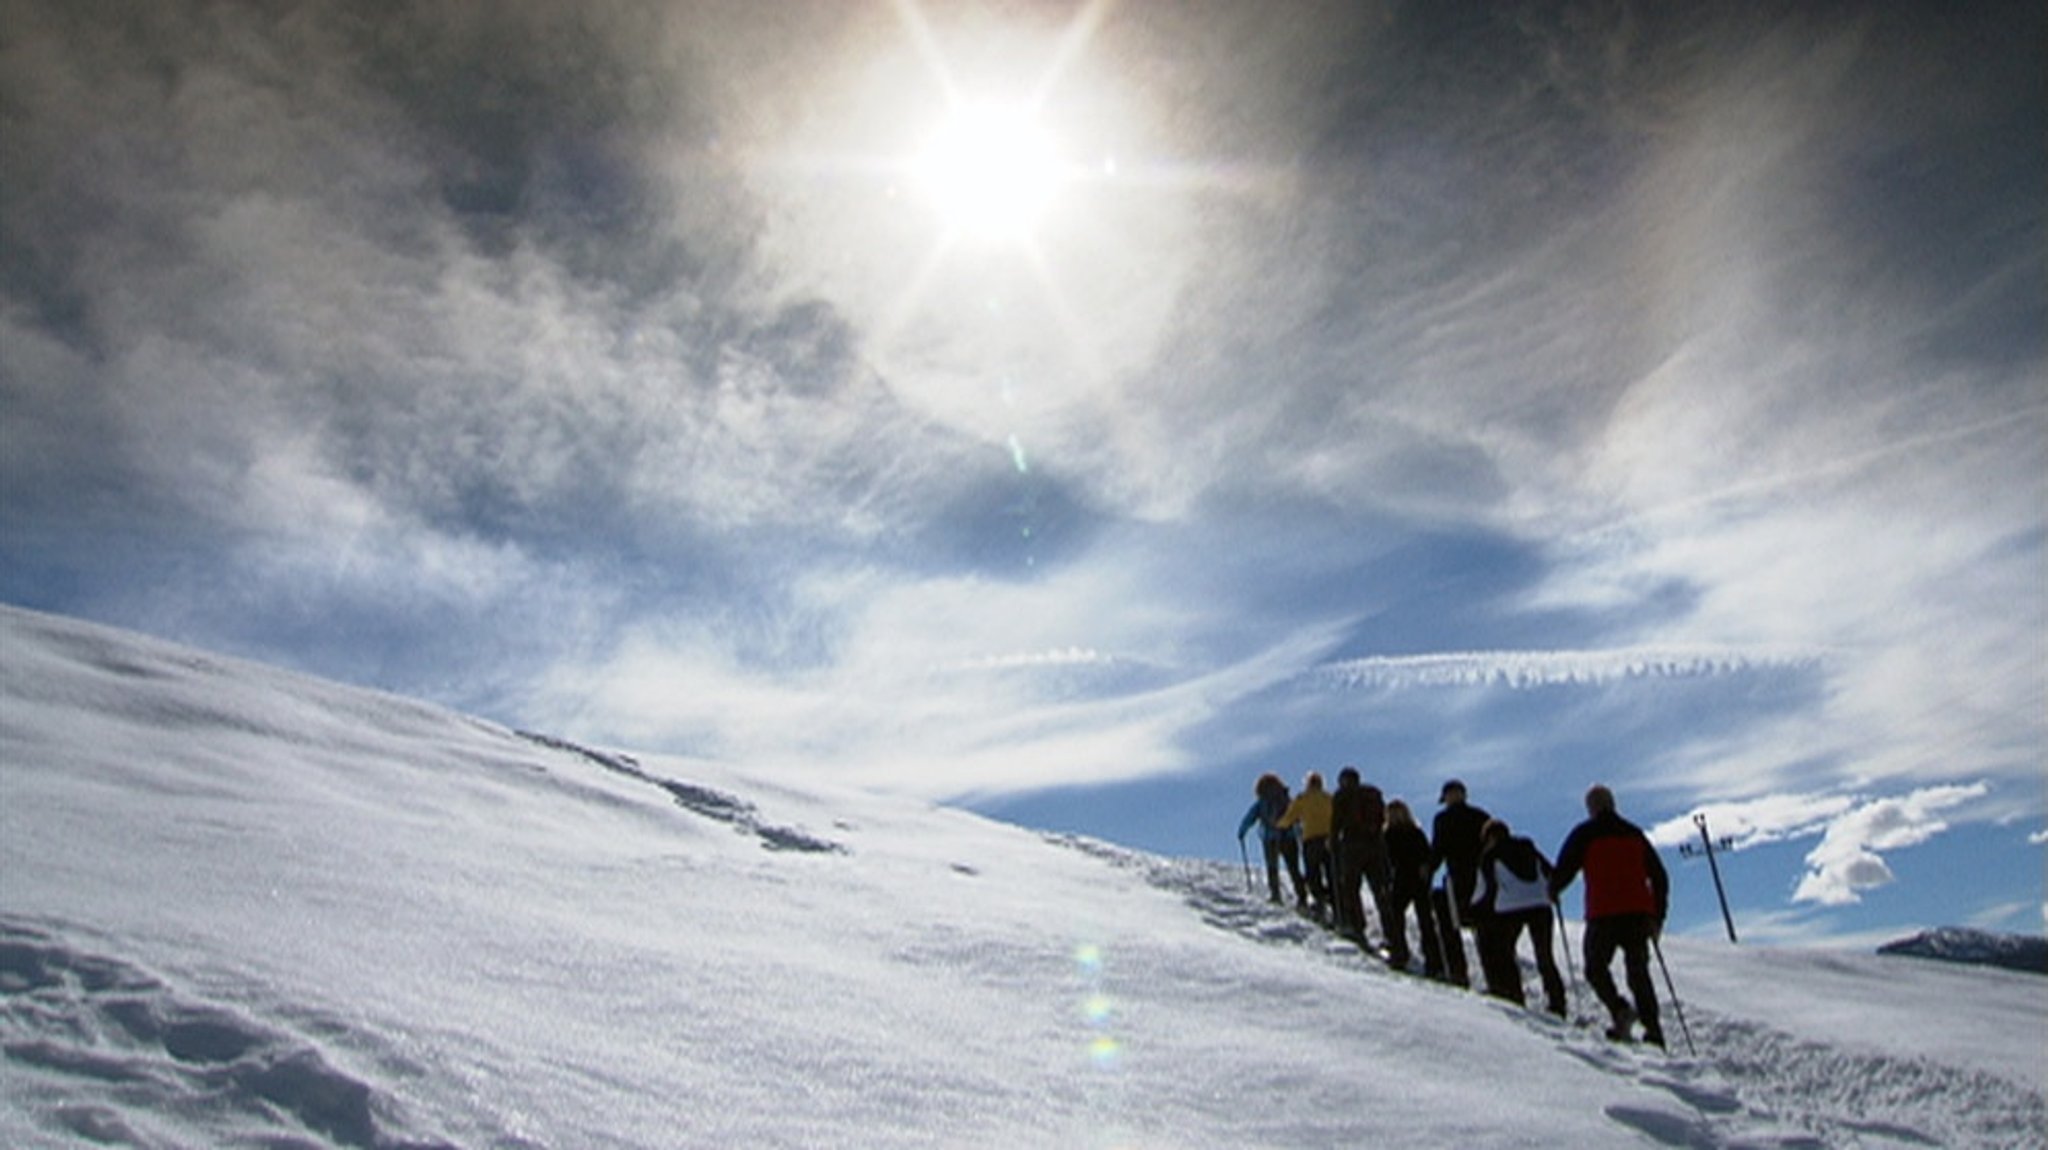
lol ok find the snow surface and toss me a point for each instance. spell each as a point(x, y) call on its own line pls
point(243, 907)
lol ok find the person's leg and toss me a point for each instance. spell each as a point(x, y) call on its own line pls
point(1381, 884)
point(1315, 854)
point(1432, 944)
point(1635, 957)
point(1273, 869)
point(1497, 936)
point(1350, 876)
point(1601, 941)
point(1394, 925)
point(1290, 852)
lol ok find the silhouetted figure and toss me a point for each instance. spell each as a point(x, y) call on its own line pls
point(1408, 867)
point(1454, 845)
point(1514, 896)
point(1310, 811)
point(1627, 893)
point(1358, 815)
point(1280, 843)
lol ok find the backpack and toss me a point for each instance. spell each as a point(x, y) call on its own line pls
point(1372, 810)
point(1272, 805)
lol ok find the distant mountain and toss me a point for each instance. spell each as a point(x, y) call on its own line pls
point(1976, 948)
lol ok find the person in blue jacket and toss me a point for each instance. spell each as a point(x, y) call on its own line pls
point(1280, 842)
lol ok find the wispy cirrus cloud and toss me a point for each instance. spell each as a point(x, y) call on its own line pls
point(1523, 669)
point(1645, 396)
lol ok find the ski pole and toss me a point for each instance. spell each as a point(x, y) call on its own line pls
point(1564, 940)
point(1676, 1008)
point(1246, 856)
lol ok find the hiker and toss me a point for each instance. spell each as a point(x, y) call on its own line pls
point(1358, 816)
point(1269, 803)
point(1408, 867)
point(1513, 896)
point(1627, 893)
point(1454, 845)
point(1310, 811)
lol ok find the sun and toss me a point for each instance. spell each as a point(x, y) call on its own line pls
point(991, 170)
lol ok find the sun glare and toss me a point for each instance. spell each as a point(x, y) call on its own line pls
point(991, 170)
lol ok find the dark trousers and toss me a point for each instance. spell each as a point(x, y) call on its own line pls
point(1360, 865)
point(1279, 848)
point(1629, 934)
point(1499, 935)
point(1399, 899)
point(1315, 859)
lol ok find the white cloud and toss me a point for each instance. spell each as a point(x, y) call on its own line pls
point(1853, 829)
point(2038, 838)
point(1846, 862)
point(1755, 822)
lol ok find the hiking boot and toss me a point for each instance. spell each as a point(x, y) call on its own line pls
point(1624, 1022)
point(1654, 1035)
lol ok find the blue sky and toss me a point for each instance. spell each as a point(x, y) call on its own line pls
point(1599, 393)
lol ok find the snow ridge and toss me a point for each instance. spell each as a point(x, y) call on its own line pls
point(709, 802)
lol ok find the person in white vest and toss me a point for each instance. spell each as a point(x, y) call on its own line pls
point(1514, 895)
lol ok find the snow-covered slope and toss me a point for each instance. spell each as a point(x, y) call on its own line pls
point(241, 907)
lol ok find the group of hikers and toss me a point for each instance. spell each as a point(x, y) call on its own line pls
point(1339, 845)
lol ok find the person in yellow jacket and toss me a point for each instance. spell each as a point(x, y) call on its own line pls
point(1310, 810)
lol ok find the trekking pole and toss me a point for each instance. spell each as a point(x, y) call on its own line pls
point(1564, 939)
point(1676, 1008)
point(1246, 856)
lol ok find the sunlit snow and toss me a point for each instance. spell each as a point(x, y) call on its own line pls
point(243, 907)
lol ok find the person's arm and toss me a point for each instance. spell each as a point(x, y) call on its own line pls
point(1570, 857)
point(1660, 880)
point(1251, 816)
point(1544, 870)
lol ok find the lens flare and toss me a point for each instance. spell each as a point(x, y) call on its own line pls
point(1097, 1008)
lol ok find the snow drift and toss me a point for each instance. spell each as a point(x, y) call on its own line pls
point(243, 907)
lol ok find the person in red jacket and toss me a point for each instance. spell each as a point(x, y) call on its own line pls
point(1627, 893)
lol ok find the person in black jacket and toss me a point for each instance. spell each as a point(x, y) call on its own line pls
point(1454, 845)
point(1408, 867)
point(1514, 896)
point(1358, 840)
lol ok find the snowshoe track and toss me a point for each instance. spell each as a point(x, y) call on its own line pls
point(88, 1025)
point(1750, 1086)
